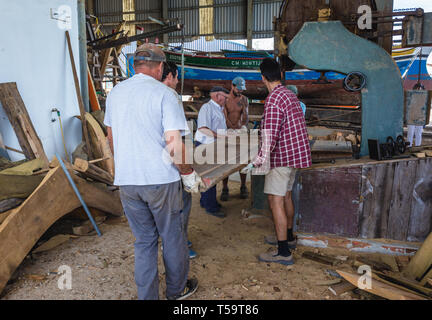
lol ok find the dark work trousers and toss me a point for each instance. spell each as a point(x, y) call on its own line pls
point(153, 211)
point(187, 204)
point(208, 199)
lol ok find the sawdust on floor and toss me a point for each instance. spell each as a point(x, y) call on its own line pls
point(226, 267)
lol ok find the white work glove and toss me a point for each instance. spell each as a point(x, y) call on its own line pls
point(244, 129)
point(191, 182)
point(247, 169)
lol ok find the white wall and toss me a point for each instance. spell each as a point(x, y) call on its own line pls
point(33, 53)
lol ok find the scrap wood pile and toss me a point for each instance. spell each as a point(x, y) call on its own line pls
point(379, 276)
point(35, 193)
point(421, 152)
point(328, 144)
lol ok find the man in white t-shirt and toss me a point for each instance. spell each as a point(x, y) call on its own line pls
point(211, 125)
point(170, 79)
point(145, 125)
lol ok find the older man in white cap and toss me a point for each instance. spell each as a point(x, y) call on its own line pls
point(237, 118)
point(211, 125)
point(145, 124)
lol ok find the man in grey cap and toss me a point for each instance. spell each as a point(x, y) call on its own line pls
point(237, 116)
point(211, 118)
point(145, 125)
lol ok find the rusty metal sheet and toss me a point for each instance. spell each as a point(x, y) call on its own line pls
point(416, 107)
point(329, 201)
point(413, 31)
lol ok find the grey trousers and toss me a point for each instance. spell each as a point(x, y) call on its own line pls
point(153, 211)
point(187, 205)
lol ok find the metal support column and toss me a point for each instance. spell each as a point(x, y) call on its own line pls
point(164, 18)
point(249, 24)
point(82, 38)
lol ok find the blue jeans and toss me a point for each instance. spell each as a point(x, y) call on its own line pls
point(153, 211)
point(208, 199)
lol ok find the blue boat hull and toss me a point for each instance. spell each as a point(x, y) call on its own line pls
point(408, 67)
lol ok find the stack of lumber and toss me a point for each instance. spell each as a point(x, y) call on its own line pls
point(17, 180)
point(378, 276)
point(387, 282)
point(332, 144)
point(422, 151)
point(52, 199)
point(35, 193)
point(17, 183)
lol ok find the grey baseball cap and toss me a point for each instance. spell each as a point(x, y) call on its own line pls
point(240, 83)
point(219, 89)
point(150, 55)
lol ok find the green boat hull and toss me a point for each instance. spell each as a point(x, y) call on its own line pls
point(214, 62)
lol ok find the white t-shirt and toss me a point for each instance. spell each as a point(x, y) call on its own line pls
point(140, 110)
point(211, 116)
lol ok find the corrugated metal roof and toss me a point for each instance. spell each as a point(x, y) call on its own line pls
point(230, 20)
point(109, 6)
point(229, 16)
point(210, 46)
point(190, 18)
point(154, 10)
point(263, 14)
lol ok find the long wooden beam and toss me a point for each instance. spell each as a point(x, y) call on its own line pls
point(20, 120)
point(79, 98)
point(421, 263)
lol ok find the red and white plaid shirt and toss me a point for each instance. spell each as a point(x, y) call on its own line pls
point(283, 130)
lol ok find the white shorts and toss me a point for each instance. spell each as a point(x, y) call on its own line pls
point(279, 181)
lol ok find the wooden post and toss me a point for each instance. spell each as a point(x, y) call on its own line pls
point(419, 265)
point(249, 24)
point(80, 102)
point(20, 120)
point(165, 17)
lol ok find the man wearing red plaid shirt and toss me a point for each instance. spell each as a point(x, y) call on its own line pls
point(284, 149)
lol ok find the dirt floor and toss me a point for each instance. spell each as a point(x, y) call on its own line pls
point(226, 266)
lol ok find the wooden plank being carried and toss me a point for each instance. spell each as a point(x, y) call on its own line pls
point(211, 174)
point(52, 199)
point(19, 118)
